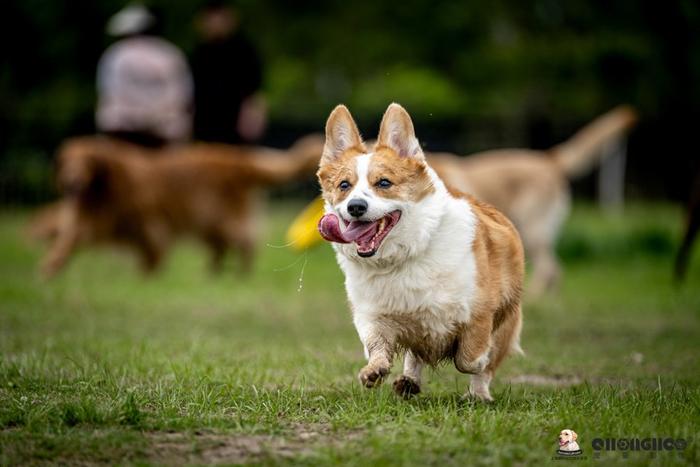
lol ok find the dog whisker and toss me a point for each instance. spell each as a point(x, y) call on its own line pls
point(289, 266)
point(288, 244)
point(300, 280)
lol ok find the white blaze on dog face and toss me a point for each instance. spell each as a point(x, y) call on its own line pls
point(377, 187)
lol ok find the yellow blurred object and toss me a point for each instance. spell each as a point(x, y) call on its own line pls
point(303, 233)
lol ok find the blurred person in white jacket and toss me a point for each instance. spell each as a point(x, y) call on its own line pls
point(144, 84)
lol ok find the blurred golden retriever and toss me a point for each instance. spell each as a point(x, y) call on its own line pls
point(532, 187)
point(116, 192)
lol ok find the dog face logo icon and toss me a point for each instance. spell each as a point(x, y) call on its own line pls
point(568, 445)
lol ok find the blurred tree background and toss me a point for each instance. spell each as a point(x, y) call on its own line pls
point(474, 75)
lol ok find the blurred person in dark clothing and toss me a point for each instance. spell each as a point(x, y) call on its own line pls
point(144, 85)
point(228, 76)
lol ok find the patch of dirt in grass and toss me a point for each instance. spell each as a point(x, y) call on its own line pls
point(565, 381)
point(183, 448)
point(219, 448)
point(558, 381)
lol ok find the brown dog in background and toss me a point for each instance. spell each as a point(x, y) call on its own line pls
point(532, 187)
point(117, 192)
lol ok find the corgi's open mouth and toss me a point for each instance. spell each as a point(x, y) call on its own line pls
point(368, 236)
point(563, 442)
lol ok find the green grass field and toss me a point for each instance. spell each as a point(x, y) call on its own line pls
point(104, 365)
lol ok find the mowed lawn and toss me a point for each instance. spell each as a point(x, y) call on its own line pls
point(104, 365)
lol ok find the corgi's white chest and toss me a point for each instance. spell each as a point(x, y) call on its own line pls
point(420, 290)
point(433, 291)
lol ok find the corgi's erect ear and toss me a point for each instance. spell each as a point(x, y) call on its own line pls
point(397, 133)
point(341, 134)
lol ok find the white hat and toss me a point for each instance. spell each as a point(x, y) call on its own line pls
point(132, 19)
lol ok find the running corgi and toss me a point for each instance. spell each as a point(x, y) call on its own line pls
point(428, 270)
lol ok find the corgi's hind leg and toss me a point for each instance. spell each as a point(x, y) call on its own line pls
point(479, 387)
point(473, 345)
point(506, 336)
point(505, 339)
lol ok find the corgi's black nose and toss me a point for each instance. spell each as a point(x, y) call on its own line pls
point(357, 207)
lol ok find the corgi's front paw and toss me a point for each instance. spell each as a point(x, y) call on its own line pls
point(371, 376)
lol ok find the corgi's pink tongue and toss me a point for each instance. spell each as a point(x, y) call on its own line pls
point(329, 227)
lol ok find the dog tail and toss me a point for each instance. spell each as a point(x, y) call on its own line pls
point(581, 152)
point(271, 167)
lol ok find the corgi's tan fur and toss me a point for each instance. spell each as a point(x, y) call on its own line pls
point(444, 283)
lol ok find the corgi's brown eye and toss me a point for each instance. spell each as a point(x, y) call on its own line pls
point(344, 185)
point(383, 183)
